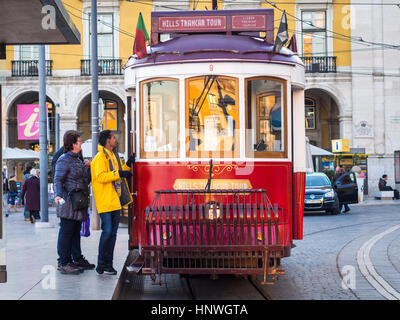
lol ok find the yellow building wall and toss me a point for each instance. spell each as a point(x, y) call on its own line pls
point(6, 64)
point(341, 25)
point(69, 56)
point(129, 14)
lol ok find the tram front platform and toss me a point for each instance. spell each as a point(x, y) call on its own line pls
point(31, 257)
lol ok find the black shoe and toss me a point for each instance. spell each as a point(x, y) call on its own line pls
point(346, 210)
point(69, 269)
point(6, 215)
point(110, 270)
point(100, 269)
point(83, 263)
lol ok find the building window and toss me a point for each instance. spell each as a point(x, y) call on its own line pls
point(310, 113)
point(110, 115)
point(314, 33)
point(105, 36)
point(159, 118)
point(212, 112)
point(28, 53)
point(265, 118)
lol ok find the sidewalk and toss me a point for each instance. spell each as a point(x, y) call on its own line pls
point(32, 263)
point(371, 201)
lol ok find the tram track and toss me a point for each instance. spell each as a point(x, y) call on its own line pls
point(190, 287)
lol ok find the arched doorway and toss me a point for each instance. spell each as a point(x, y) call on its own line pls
point(321, 118)
point(13, 141)
point(113, 117)
point(30, 97)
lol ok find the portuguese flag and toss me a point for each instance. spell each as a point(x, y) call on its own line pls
point(139, 47)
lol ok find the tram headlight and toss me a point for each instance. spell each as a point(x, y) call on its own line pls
point(329, 194)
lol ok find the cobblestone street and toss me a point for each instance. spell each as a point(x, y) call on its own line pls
point(330, 248)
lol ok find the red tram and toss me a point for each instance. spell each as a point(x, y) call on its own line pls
point(218, 122)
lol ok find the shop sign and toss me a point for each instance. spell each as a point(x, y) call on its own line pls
point(363, 130)
point(341, 145)
point(28, 121)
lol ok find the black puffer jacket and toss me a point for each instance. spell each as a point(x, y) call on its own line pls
point(70, 174)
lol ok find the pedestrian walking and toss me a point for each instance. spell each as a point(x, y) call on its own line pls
point(12, 193)
point(5, 192)
point(338, 173)
point(31, 195)
point(111, 192)
point(26, 176)
point(71, 181)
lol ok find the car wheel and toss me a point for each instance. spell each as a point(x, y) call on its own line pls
point(336, 210)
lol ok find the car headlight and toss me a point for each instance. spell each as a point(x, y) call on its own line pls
point(329, 194)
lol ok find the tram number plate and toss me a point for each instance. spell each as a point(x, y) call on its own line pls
point(313, 201)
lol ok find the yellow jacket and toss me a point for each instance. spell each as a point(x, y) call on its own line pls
point(103, 179)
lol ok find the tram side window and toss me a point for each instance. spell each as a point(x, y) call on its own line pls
point(265, 118)
point(212, 110)
point(159, 115)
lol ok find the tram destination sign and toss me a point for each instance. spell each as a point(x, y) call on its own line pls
point(228, 21)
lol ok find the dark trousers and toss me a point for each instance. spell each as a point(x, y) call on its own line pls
point(34, 214)
point(346, 207)
point(109, 225)
point(69, 241)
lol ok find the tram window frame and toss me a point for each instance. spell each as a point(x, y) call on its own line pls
point(266, 154)
point(159, 154)
point(221, 153)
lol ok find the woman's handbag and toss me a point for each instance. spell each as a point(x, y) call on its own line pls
point(79, 199)
point(85, 229)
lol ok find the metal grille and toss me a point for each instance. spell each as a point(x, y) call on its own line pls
point(216, 231)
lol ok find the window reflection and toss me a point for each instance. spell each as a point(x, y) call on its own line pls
point(212, 116)
point(160, 118)
point(265, 117)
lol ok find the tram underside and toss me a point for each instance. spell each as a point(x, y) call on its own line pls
point(212, 232)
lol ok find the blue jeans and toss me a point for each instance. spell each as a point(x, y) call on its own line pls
point(109, 225)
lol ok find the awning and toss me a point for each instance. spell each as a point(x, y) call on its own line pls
point(315, 151)
point(19, 154)
point(22, 21)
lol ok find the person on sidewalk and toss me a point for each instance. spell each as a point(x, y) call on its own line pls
point(5, 192)
point(383, 187)
point(71, 180)
point(111, 193)
point(31, 195)
point(26, 176)
point(12, 192)
point(76, 252)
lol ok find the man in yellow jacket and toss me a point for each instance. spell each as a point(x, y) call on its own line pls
point(111, 192)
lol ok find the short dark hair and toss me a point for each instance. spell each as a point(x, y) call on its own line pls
point(69, 139)
point(103, 136)
point(384, 176)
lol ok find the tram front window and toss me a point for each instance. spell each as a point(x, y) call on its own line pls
point(159, 118)
point(265, 118)
point(212, 117)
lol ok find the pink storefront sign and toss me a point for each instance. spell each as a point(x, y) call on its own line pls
point(28, 121)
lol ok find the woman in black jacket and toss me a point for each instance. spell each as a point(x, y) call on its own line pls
point(71, 175)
